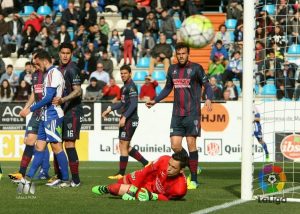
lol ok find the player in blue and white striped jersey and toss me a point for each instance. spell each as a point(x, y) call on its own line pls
point(50, 128)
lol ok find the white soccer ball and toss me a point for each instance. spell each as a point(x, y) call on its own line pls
point(197, 31)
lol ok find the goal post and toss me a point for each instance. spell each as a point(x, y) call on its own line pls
point(247, 102)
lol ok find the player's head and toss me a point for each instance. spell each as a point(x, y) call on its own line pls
point(177, 163)
point(182, 53)
point(43, 60)
point(125, 71)
point(33, 61)
point(65, 52)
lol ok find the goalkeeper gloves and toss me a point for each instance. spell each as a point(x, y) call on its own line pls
point(130, 194)
point(145, 195)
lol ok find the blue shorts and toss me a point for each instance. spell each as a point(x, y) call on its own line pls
point(51, 130)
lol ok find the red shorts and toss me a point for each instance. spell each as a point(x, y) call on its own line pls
point(138, 179)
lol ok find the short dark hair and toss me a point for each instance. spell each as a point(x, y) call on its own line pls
point(182, 45)
point(27, 63)
point(182, 157)
point(43, 55)
point(126, 67)
point(219, 42)
point(10, 66)
point(66, 45)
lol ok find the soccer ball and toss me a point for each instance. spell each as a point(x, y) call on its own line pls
point(197, 31)
point(272, 179)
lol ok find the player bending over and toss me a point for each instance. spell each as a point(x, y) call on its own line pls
point(258, 132)
point(163, 180)
point(50, 128)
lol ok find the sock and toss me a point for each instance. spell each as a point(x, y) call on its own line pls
point(26, 158)
point(264, 145)
point(56, 167)
point(36, 163)
point(73, 164)
point(45, 163)
point(193, 164)
point(114, 188)
point(136, 155)
point(63, 165)
point(123, 164)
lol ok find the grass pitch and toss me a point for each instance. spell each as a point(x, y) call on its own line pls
point(219, 183)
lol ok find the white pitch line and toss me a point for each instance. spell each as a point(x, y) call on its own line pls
point(221, 206)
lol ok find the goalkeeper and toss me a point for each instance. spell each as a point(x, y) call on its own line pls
point(163, 180)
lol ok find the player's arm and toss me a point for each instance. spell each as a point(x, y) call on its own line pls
point(208, 88)
point(50, 93)
point(76, 86)
point(116, 106)
point(165, 92)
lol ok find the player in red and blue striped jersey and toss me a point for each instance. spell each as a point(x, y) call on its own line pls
point(187, 79)
point(50, 128)
point(128, 122)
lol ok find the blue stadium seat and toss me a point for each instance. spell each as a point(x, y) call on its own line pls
point(239, 90)
point(159, 75)
point(177, 23)
point(27, 11)
point(139, 88)
point(158, 90)
point(294, 49)
point(231, 23)
point(18, 72)
point(232, 37)
point(270, 81)
point(169, 41)
point(71, 33)
point(143, 62)
point(256, 89)
point(44, 10)
point(140, 75)
point(270, 8)
point(285, 99)
point(269, 89)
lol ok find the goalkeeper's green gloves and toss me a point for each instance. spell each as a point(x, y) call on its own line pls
point(145, 195)
point(130, 194)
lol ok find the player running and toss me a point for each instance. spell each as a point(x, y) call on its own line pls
point(32, 128)
point(128, 121)
point(73, 112)
point(187, 78)
point(258, 132)
point(50, 127)
point(162, 180)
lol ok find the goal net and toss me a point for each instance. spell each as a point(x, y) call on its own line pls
point(275, 170)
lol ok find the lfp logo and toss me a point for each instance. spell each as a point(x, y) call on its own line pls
point(290, 147)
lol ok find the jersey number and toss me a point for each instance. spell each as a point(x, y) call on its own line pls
point(70, 133)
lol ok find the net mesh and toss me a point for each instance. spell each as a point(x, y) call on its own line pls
point(277, 55)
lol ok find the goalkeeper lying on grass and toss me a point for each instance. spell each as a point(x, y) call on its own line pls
point(163, 180)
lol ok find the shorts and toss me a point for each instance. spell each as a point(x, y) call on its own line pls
point(51, 130)
point(72, 124)
point(137, 179)
point(185, 126)
point(33, 125)
point(126, 132)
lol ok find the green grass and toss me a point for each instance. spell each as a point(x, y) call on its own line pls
point(219, 183)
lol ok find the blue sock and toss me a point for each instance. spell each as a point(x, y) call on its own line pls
point(36, 163)
point(63, 165)
point(45, 163)
point(264, 145)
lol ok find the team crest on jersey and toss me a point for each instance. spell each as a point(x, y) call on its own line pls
point(189, 71)
point(174, 72)
point(69, 125)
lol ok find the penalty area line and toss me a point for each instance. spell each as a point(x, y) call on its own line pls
point(221, 206)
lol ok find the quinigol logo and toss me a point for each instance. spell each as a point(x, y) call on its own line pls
point(216, 120)
point(290, 147)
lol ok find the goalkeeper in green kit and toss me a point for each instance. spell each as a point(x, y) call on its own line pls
point(163, 180)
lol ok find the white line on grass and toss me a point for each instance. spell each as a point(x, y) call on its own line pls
point(221, 206)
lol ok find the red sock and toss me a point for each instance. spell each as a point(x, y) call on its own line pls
point(114, 188)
